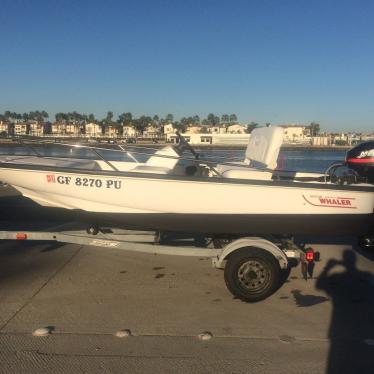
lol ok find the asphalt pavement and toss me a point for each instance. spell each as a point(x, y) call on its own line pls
point(84, 295)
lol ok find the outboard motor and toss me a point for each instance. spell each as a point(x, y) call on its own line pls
point(361, 160)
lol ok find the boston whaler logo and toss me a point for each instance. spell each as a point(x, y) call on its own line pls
point(331, 201)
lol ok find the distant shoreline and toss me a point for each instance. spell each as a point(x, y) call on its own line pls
point(288, 147)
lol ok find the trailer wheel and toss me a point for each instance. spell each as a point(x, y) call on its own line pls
point(366, 242)
point(284, 274)
point(252, 274)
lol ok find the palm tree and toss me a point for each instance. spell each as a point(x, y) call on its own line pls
point(314, 128)
point(233, 118)
point(169, 118)
point(196, 119)
point(225, 119)
point(91, 118)
point(125, 118)
point(213, 119)
point(109, 117)
point(251, 127)
point(8, 114)
point(45, 115)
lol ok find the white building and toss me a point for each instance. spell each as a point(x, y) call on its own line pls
point(58, 128)
point(3, 128)
point(151, 132)
point(294, 133)
point(201, 139)
point(217, 129)
point(169, 129)
point(20, 128)
point(231, 139)
point(321, 140)
point(236, 129)
point(367, 137)
point(193, 129)
point(93, 130)
point(129, 131)
point(36, 129)
point(111, 131)
point(72, 129)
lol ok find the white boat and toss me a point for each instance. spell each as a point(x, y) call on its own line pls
point(170, 192)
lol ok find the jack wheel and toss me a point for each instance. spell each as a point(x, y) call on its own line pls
point(93, 230)
point(366, 242)
point(252, 274)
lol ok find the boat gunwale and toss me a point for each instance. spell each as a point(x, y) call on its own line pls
point(171, 177)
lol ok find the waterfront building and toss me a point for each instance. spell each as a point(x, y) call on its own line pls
point(111, 131)
point(58, 129)
point(20, 128)
point(367, 137)
point(204, 139)
point(230, 139)
point(4, 130)
point(193, 129)
point(73, 129)
point(65, 129)
point(151, 132)
point(36, 128)
point(129, 131)
point(323, 140)
point(236, 129)
point(295, 134)
point(218, 129)
point(169, 129)
point(93, 130)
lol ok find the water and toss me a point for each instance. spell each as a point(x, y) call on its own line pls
point(306, 160)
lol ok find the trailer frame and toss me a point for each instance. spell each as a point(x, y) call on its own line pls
point(283, 252)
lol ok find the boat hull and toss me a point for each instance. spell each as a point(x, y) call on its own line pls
point(244, 224)
point(200, 205)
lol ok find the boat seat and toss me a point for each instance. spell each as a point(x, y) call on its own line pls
point(261, 153)
point(162, 162)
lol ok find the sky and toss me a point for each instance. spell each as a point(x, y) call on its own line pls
point(278, 61)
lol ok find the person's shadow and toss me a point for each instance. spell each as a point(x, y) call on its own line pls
point(351, 331)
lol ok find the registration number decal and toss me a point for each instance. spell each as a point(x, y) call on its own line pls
point(84, 181)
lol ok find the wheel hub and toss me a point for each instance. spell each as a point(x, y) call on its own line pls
point(253, 275)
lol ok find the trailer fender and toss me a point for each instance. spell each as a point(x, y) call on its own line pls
point(256, 242)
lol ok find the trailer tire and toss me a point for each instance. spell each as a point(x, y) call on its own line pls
point(284, 274)
point(252, 274)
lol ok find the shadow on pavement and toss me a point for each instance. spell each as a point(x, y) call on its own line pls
point(20, 261)
point(351, 330)
point(307, 300)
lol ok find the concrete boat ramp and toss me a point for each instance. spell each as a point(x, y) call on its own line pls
point(109, 310)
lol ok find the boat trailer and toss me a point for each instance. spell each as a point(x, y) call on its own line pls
point(254, 267)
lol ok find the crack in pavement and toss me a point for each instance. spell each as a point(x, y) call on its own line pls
point(51, 277)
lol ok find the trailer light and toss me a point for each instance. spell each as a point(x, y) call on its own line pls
point(21, 236)
point(309, 255)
